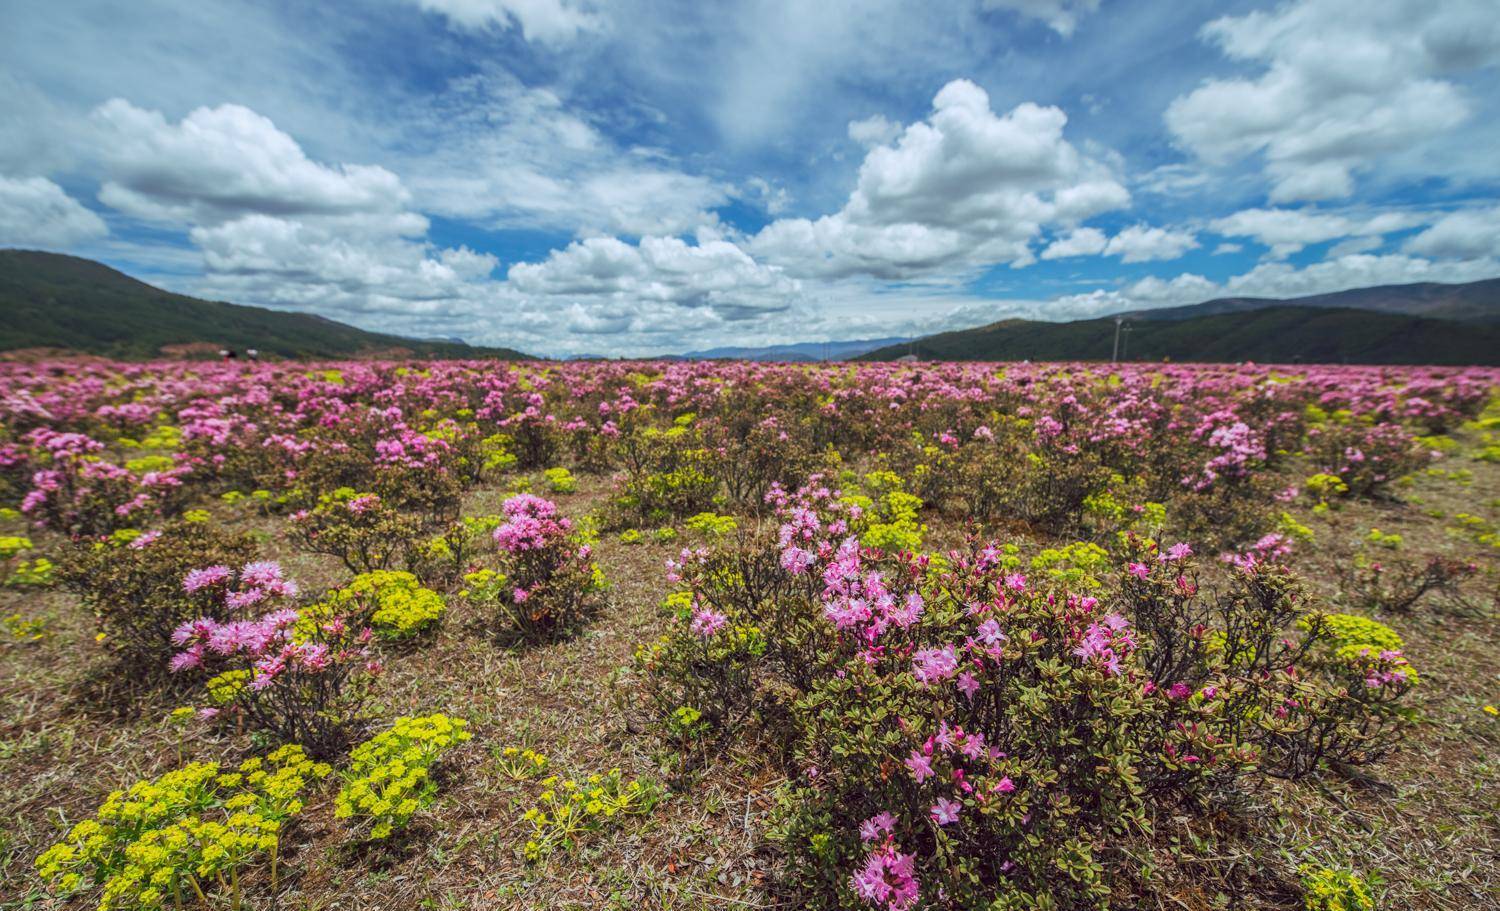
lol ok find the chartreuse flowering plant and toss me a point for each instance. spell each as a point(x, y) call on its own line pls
point(16, 570)
point(189, 833)
point(519, 765)
point(393, 604)
point(560, 480)
point(390, 776)
point(1334, 889)
point(567, 809)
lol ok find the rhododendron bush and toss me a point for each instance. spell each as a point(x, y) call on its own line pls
point(962, 729)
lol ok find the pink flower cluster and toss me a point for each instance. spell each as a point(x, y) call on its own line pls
point(888, 878)
point(1107, 642)
point(257, 582)
point(532, 524)
point(269, 642)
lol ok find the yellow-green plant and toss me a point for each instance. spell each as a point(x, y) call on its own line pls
point(186, 834)
point(1076, 566)
point(392, 603)
point(389, 778)
point(566, 809)
point(19, 628)
point(890, 520)
point(518, 764)
point(1334, 889)
point(712, 524)
point(560, 480)
point(1326, 486)
point(18, 572)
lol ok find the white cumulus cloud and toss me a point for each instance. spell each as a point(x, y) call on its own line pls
point(35, 212)
point(963, 188)
point(1286, 231)
point(1466, 235)
point(1343, 82)
point(223, 162)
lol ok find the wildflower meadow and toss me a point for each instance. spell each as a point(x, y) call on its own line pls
point(990, 637)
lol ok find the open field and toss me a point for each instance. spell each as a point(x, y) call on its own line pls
point(1088, 634)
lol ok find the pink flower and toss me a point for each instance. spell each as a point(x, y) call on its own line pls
point(888, 879)
point(1178, 551)
point(876, 825)
point(989, 632)
point(933, 664)
point(706, 622)
point(921, 766)
point(968, 685)
point(945, 811)
point(198, 579)
point(1139, 570)
point(1005, 785)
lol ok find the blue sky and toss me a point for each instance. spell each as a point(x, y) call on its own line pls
point(626, 177)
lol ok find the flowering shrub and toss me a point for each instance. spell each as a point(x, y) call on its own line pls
point(361, 529)
point(393, 604)
point(305, 679)
point(390, 777)
point(548, 586)
point(566, 810)
point(189, 833)
point(81, 493)
point(700, 676)
point(1366, 457)
point(135, 586)
point(935, 725)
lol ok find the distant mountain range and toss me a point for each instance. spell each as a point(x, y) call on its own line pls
point(1393, 324)
point(52, 301)
point(1473, 302)
point(801, 351)
point(48, 300)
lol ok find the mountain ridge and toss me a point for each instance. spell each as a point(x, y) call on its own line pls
point(1477, 301)
point(53, 300)
point(1275, 334)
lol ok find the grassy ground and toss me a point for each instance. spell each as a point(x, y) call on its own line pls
point(1426, 820)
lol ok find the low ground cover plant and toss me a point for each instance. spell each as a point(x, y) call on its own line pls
point(391, 777)
point(187, 835)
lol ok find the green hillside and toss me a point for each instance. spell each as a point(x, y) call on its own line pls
point(48, 300)
point(1277, 334)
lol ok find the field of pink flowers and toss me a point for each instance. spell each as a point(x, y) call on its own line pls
point(706, 635)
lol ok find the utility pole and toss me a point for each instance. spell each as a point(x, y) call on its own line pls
point(1114, 358)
